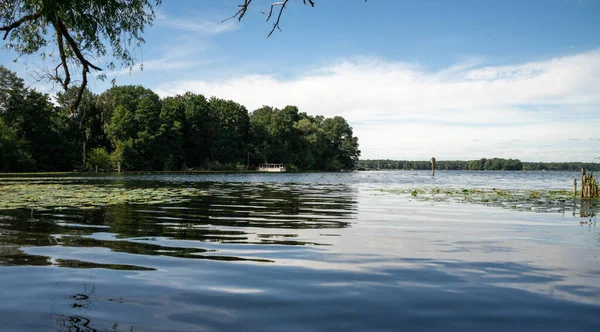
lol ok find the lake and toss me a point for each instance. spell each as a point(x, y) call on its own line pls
point(298, 252)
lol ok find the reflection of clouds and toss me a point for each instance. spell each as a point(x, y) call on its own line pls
point(234, 290)
point(484, 246)
point(378, 261)
point(540, 253)
point(450, 292)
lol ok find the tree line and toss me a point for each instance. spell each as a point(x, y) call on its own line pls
point(492, 164)
point(134, 127)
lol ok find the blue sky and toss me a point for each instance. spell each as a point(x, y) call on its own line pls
point(452, 79)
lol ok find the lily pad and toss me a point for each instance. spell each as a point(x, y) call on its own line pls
point(39, 195)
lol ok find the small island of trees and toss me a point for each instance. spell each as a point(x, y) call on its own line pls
point(134, 127)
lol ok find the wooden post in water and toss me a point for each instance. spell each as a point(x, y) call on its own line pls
point(582, 182)
point(589, 185)
point(432, 166)
point(119, 166)
point(575, 188)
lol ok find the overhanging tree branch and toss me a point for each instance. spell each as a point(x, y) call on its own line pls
point(240, 13)
point(73, 46)
point(62, 34)
point(63, 59)
point(84, 63)
point(282, 4)
point(244, 8)
point(80, 30)
point(80, 92)
point(16, 24)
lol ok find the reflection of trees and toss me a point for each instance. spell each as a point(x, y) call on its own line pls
point(82, 302)
point(207, 218)
point(22, 229)
point(12, 255)
point(588, 208)
point(235, 205)
point(74, 323)
point(276, 205)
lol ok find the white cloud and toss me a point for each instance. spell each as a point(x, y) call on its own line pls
point(401, 110)
point(182, 53)
point(202, 26)
point(160, 64)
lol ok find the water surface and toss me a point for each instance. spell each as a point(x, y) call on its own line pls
point(308, 251)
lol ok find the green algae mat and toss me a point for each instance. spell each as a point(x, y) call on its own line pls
point(43, 195)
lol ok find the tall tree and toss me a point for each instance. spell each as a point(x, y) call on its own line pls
point(200, 127)
point(230, 146)
point(14, 151)
point(171, 133)
point(86, 126)
point(312, 143)
point(37, 124)
point(12, 90)
point(343, 149)
point(134, 126)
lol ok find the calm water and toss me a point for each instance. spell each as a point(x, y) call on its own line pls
point(311, 251)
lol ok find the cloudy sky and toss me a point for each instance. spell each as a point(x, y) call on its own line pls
point(451, 79)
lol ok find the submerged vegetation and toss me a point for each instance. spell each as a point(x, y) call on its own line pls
point(133, 127)
point(522, 200)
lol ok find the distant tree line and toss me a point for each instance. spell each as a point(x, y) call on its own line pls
point(493, 164)
point(554, 166)
point(132, 126)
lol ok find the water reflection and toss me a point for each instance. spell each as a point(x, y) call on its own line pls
point(80, 305)
point(297, 256)
point(74, 323)
point(232, 215)
point(261, 214)
point(589, 208)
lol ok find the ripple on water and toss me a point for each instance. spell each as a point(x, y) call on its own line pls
point(295, 256)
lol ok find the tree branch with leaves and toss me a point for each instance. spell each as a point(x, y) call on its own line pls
point(82, 32)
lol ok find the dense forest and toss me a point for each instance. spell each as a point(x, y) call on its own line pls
point(493, 164)
point(132, 126)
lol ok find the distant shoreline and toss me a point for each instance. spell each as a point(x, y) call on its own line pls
point(484, 164)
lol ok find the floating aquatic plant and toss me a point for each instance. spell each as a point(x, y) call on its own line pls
point(44, 195)
point(530, 200)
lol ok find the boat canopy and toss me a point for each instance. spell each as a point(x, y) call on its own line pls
point(271, 166)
